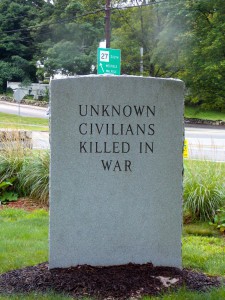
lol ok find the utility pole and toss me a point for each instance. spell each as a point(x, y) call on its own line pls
point(107, 23)
point(141, 62)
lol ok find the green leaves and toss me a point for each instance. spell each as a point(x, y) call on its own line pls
point(219, 220)
point(5, 195)
point(8, 197)
point(5, 184)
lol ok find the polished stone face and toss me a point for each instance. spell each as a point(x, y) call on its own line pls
point(116, 171)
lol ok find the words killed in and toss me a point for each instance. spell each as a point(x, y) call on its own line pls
point(114, 147)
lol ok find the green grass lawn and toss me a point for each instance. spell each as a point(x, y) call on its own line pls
point(24, 238)
point(24, 242)
point(193, 112)
point(204, 254)
point(10, 121)
point(215, 294)
point(37, 296)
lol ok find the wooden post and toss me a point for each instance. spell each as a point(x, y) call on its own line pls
point(107, 23)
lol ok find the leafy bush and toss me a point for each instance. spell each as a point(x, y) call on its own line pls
point(7, 195)
point(219, 220)
point(34, 176)
point(204, 189)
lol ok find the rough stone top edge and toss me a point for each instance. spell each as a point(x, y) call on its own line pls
point(115, 76)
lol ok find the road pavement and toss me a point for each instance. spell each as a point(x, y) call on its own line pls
point(40, 140)
point(204, 143)
point(23, 110)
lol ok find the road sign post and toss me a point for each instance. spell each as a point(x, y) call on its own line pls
point(18, 96)
point(109, 61)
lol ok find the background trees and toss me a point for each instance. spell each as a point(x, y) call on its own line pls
point(205, 58)
point(19, 39)
point(194, 37)
point(183, 39)
point(136, 28)
point(75, 35)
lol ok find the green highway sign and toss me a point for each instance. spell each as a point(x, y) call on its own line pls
point(109, 61)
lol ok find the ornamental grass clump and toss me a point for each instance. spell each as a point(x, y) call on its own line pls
point(34, 176)
point(13, 154)
point(204, 189)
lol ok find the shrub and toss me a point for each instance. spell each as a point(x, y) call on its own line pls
point(29, 170)
point(7, 195)
point(34, 176)
point(12, 157)
point(219, 220)
point(204, 189)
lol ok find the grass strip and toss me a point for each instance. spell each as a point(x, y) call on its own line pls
point(200, 229)
point(10, 121)
point(197, 113)
point(205, 254)
point(183, 294)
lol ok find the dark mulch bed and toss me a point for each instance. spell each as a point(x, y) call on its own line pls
point(26, 204)
point(114, 282)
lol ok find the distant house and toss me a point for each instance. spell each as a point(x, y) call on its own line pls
point(35, 89)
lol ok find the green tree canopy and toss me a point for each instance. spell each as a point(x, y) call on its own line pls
point(18, 37)
point(193, 41)
point(136, 28)
point(74, 39)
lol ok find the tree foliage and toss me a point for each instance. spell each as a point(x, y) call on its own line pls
point(205, 63)
point(183, 39)
point(180, 38)
point(74, 38)
point(137, 28)
point(18, 42)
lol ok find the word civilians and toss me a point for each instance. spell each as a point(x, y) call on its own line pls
point(116, 129)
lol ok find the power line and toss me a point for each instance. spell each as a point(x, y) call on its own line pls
point(53, 23)
point(21, 16)
point(82, 16)
point(86, 14)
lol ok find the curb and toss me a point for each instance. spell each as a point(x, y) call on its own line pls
point(24, 105)
point(204, 123)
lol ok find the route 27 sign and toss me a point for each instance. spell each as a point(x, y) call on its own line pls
point(109, 61)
